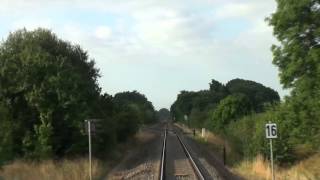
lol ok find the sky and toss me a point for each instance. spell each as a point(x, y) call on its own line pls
point(159, 47)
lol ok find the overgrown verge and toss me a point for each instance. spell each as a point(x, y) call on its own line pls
point(255, 166)
point(76, 169)
point(70, 169)
point(259, 169)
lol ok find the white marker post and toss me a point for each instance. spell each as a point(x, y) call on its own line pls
point(186, 119)
point(271, 133)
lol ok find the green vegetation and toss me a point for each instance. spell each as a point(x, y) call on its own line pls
point(296, 26)
point(239, 110)
point(222, 104)
point(132, 109)
point(48, 88)
point(163, 114)
point(236, 111)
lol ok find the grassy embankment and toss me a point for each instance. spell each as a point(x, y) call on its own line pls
point(76, 169)
point(47, 170)
point(259, 168)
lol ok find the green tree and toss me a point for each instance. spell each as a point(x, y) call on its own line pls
point(216, 86)
point(200, 105)
point(6, 134)
point(138, 102)
point(259, 95)
point(128, 122)
point(230, 109)
point(297, 27)
point(163, 114)
point(132, 110)
point(50, 86)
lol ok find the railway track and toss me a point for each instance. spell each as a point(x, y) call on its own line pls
point(176, 160)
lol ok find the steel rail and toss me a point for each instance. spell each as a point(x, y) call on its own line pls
point(194, 165)
point(163, 155)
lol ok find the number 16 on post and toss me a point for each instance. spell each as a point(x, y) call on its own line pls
point(271, 133)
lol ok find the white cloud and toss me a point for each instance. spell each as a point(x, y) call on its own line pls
point(233, 10)
point(73, 32)
point(103, 32)
point(249, 9)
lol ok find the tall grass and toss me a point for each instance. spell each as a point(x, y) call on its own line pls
point(76, 169)
point(49, 170)
point(259, 169)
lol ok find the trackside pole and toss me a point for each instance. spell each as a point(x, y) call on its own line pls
point(89, 135)
point(271, 158)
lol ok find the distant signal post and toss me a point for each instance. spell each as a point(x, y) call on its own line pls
point(91, 128)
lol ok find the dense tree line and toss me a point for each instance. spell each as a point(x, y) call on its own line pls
point(240, 109)
point(221, 104)
point(163, 114)
point(48, 88)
